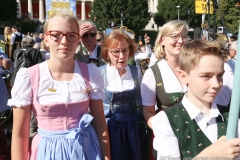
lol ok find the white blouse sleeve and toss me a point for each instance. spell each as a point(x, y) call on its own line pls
point(21, 91)
point(165, 141)
point(148, 88)
point(96, 82)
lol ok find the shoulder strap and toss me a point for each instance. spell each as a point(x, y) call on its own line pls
point(138, 98)
point(159, 82)
point(163, 99)
point(34, 76)
point(85, 75)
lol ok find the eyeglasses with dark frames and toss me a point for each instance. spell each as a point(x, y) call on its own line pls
point(89, 34)
point(176, 37)
point(116, 52)
point(57, 36)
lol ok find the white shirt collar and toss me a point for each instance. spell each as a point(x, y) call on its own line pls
point(94, 52)
point(113, 68)
point(193, 111)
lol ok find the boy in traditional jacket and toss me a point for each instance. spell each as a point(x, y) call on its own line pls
point(196, 126)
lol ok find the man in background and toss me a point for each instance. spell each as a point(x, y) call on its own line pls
point(16, 39)
point(44, 51)
point(88, 50)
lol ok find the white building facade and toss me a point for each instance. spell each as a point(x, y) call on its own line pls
point(35, 10)
point(152, 7)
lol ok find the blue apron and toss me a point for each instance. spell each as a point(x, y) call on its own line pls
point(122, 113)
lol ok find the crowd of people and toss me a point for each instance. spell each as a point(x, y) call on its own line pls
point(93, 96)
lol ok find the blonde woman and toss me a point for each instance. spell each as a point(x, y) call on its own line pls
point(160, 83)
point(60, 91)
point(7, 37)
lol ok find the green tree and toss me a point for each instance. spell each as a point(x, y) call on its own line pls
point(230, 13)
point(167, 11)
point(8, 10)
point(26, 24)
point(135, 13)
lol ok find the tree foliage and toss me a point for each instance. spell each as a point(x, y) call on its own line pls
point(167, 11)
point(8, 10)
point(135, 13)
point(26, 24)
point(231, 14)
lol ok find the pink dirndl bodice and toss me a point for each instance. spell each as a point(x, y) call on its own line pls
point(56, 117)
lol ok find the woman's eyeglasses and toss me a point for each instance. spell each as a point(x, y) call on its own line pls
point(57, 36)
point(116, 52)
point(90, 34)
point(176, 37)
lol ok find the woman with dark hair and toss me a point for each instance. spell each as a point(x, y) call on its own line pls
point(122, 103)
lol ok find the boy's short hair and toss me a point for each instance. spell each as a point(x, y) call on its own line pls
point(192, 52)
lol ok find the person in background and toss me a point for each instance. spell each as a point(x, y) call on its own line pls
point(142, 56)
point(100, 37)
point(224, 96)
point(161, 84)
point(44, 51)
point(60, 91)
point(33, 54)
point(153, 59)
point(196, 127)
point(233, 49)
point(37, 46)
point(143, 48)
point(89, 50)
point(39, 38)
point(206, 33)
point(6, 42)
point(16, 39)
point(122, 103)
point(6, 67)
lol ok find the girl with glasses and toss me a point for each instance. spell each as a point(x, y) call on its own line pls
point(61, 92)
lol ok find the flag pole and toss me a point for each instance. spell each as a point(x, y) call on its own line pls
point(235, 99)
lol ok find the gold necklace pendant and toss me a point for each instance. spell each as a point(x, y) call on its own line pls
point(52, 89)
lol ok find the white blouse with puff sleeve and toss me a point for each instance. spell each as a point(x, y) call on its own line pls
point(66, 91)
